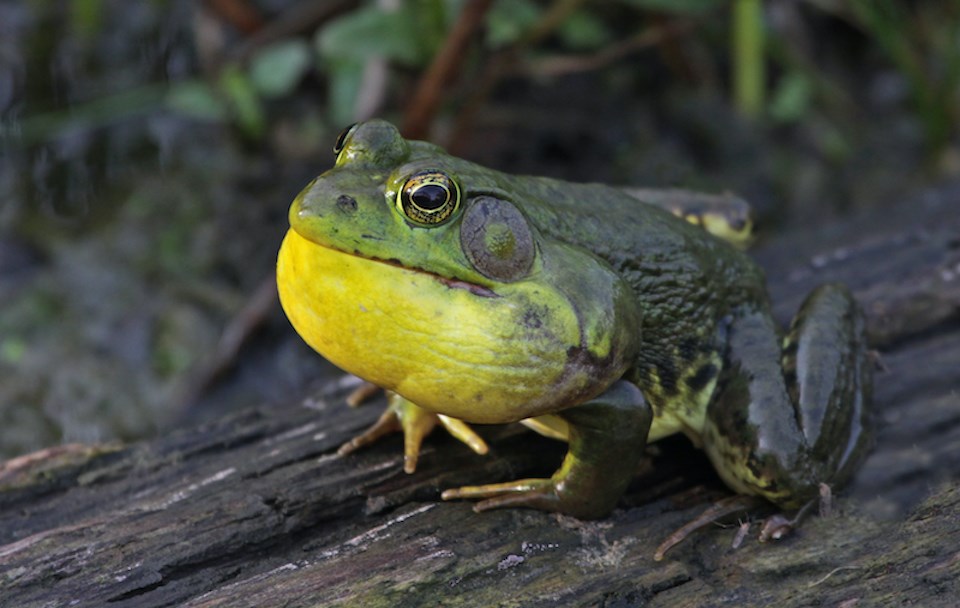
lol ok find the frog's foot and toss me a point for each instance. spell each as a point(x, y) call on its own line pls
point(809, 414)
point(415, 423)
point(719, 510)
point(606, 439)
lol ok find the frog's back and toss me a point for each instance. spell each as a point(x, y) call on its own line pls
point(686, 282)
point(650, 247)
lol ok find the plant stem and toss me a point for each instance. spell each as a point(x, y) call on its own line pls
point(748, 56)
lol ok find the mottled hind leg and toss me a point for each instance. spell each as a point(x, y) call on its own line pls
point(793, 417)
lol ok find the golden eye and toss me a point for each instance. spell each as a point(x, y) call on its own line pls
point(342, 139)
point(429, 197)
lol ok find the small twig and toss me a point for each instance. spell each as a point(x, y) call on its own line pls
point(234, 336)
point(301, 17)
point(718, 510)
point(426, 98)
point(559, 66)
point(241, 14)
point(824, 578)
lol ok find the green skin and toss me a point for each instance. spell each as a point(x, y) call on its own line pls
point(676, 333)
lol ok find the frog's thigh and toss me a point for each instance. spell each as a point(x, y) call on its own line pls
point(787, 419)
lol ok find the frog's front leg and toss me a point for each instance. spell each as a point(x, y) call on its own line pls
point(791, 417)
point(607, 438)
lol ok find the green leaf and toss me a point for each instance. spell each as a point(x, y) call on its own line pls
point(246, 106)
point(345, 78)
point(372, 32)
point(507, 20)
point(583, 31)
point(792, 99)
point(196, 99)
point(277, 69)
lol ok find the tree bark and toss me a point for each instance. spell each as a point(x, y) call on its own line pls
point(257, 510)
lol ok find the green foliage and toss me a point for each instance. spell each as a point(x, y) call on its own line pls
point(925, 48)
point(86, 17)
point(373, 32)
point(238, 94)
point(277, 69)
point(408, 36)
point(584, 30)
point(508, 20)
point(678, 6)
point(196, 99)
point(792, 98)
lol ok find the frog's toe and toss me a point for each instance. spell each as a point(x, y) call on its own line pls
point(532, 493)
point(387, 423)
point(462, 431)
point(416, 423)
point(362, 393)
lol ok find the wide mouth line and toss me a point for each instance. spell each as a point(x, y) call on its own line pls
point(452, 283)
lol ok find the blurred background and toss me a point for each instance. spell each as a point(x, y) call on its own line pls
point(149, 152)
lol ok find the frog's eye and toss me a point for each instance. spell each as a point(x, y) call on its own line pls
point(342, 139)
point(429, 197)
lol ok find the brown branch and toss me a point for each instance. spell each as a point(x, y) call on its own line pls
point(426, 99)
point(571, 64)
point(234, 337)
point(241, 14)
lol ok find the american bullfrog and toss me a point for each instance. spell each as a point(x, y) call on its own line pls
point(591, 313)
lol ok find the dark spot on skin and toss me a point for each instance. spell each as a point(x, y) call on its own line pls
point(790, 376)
point(667, 373)
point(372, 237)
point(704, 375)
point(531, 319)
point(765, 470)
point(346, 203)
point(688, 349)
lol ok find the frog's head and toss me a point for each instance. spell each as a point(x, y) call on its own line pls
point(409, 203)
point(431, 280)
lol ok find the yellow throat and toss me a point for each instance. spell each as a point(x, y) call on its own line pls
point(444, 348)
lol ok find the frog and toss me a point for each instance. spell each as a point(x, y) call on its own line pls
point(604, 316)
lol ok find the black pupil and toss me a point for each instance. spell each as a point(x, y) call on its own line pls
point(430, 197)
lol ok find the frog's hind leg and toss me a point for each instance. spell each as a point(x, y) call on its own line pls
point(792, 416)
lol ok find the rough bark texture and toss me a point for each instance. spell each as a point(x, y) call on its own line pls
point(257, 510)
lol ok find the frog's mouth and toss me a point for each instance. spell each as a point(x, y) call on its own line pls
point(450, 282)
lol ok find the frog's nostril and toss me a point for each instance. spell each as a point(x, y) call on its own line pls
point(346, 203)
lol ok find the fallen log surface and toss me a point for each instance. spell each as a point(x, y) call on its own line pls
point(257, 510)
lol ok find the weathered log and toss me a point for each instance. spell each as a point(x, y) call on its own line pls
point(257, 510)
